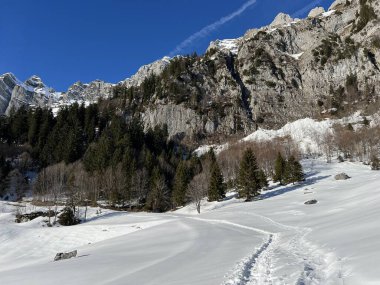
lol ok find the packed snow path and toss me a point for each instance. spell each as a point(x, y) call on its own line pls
point(277, 240)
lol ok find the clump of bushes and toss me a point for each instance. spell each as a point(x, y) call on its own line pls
point(67, 217)
point(333, 48)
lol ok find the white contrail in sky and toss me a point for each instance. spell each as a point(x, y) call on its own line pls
point(208, 29)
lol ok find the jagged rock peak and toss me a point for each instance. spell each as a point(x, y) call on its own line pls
point(35, 82)
point(281, 19)
point(9, 75)
point(10, 79)
point(76, 88)
point(317, 11)
point(7, 83)
point(154, 68)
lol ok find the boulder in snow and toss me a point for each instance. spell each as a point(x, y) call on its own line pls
point(65, 255)
point(311, 202)
point(342, 176)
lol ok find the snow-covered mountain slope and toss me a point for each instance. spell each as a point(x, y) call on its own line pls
point(276, 240)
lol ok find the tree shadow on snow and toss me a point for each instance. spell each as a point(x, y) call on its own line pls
point(310, 180)
point(104, 216)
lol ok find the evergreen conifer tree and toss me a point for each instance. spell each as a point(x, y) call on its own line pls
point(279, 169)
point(249, 183)
point(262, 179)
point(298, 175)
point(293, 171)
point(181, 180)
point(216, 186)
point(74, 144)
point(34, 122)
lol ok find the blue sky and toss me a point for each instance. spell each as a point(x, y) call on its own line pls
point(71, 40)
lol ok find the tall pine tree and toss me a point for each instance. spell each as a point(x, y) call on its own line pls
point(249, 182)
point(216, 187)
point(262, 179)
point(293, 171)
point(279, 169)
point(181, 180)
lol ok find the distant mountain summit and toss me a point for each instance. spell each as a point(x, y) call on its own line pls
point(34, 93)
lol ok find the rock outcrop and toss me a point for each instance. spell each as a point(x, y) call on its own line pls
point(281, 19)
point(154, 68)
point(90, 92)
point(318, 11)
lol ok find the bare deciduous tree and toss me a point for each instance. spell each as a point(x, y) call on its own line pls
point(327, 143)
point(197, 189)
point(139, 185)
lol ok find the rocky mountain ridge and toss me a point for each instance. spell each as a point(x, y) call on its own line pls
point(323, 65)
point(34, 93)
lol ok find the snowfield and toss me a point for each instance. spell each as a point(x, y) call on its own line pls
point(275, 240)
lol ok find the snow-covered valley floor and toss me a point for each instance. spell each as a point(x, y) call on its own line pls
point(276, 240)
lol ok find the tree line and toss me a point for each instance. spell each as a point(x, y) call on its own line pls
point(86, 155)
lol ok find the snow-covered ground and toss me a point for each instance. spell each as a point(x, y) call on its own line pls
point(276, 240)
